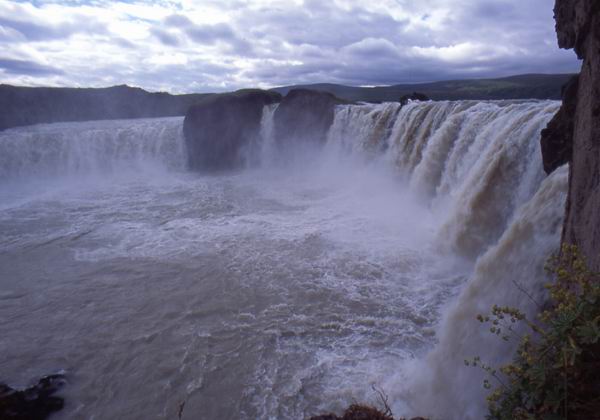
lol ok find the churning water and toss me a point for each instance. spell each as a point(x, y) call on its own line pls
point(283, 290)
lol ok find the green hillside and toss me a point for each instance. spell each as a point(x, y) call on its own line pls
point(527, 86)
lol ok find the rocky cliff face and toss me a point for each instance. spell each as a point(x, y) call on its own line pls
point(304, 116)
point(220, 129)
point(578, 27)
point(557, 137)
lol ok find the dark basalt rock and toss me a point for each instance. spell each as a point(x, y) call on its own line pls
point(219, 130)
point(357, 412)
point(304, 116)
point(361, 412)
point(557, 138)
point(574, 23)
point(578, 27)
point(34, 403)
point(415, 96)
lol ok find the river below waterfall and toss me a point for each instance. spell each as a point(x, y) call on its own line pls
point(280, 291)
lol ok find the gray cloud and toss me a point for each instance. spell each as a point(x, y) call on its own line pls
point(122, 42)
point(209, 34)
point(205, 34)
point(166, 37)
point(27, 67)
point(372, 48)
point(245, 43)
point(178, 21)
point(504, 36)
point(33, 31)
point(322, 24)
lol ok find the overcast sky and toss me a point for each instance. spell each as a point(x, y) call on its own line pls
point(216, 45)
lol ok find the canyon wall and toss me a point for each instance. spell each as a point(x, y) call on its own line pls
point(578, 27)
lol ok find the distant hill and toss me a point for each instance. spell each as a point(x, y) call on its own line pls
point(33, 105)
point(527, 86)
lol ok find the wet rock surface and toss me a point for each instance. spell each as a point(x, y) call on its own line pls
point(415, 96)
point(220, 129)
point(362, 412)
point(304, 116)
point(557, 138)
point(578, 27)
point(34, 403)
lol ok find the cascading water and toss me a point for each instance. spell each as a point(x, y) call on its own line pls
point(91, 147)
point(267, 136)
point(479, 166)
point(511, 274)
point(283, 290)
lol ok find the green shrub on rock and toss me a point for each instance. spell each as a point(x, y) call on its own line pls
point(555, 371)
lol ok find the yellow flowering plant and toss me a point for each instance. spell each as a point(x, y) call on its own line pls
point(554, 372)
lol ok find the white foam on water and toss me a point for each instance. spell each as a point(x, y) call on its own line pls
point(283, 290)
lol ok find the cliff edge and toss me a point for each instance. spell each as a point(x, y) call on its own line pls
point(578, 27)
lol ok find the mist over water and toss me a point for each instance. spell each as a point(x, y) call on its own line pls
point(278, 291)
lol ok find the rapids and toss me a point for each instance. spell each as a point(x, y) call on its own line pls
point(282, 290)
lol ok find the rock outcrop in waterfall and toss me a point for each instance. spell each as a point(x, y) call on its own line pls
point(220, 130)
point(415, 96)
point(578, 27)
point(227, 131)
point(304, 116)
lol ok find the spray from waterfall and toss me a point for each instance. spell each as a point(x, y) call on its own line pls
point(267, 135)
point(474, 162)
point(99, 147)
point(511, 274)
point(475, 167)
point(478, 166)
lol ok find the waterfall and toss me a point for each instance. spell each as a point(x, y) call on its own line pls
point(511, 266)
point(475, 162)
point(475, 165)
point(362, 129)
point(478, 166)
point(267, 135)
point(91, 147)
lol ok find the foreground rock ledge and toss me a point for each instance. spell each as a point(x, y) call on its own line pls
point(362, 412)
point(34, 403)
